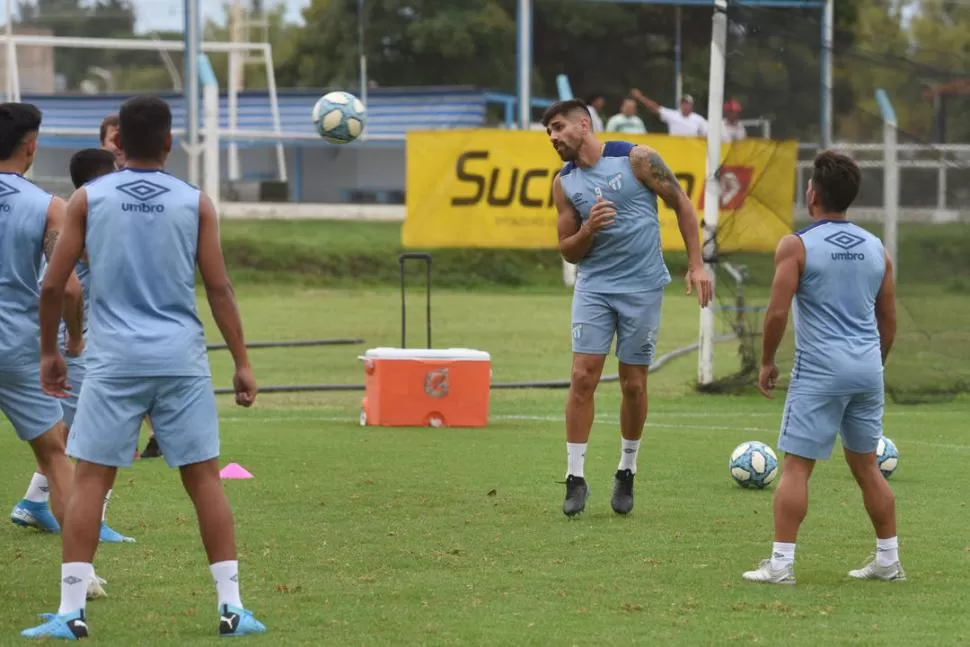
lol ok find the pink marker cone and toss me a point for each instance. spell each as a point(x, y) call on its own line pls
point(234, 471)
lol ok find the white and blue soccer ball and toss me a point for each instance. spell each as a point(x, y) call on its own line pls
point(753, 465)
point(887, 456)
point(339, 117)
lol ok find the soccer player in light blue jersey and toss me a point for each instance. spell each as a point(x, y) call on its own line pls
point(144, 232)
point(839, 278)
point(606, 196)
point(85, 165)
point(30, 221)
point(109, 142)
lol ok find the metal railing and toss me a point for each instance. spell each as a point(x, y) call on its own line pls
point(934, 179)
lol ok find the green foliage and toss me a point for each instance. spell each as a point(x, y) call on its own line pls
point(409, 42)
point(336, 253)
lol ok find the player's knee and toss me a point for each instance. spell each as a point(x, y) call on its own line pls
point(584, 380)
point(50, 445)
point(633, 386)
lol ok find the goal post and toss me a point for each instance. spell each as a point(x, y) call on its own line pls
point(890, 184)
point(712, 186)
point(262, 49)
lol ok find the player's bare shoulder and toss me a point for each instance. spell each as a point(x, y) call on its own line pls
point(649, 167)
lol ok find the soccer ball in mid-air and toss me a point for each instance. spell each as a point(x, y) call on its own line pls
point(753, 465)
point(887, 456)
point(339, 117)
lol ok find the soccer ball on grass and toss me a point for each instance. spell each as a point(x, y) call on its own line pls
point(887, 456)
point(753, 465)
point(339, 117)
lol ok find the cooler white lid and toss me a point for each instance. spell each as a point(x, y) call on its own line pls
point(466, 354)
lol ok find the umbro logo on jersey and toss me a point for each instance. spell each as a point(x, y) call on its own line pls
point(6, 190)
point(846, 241)
point(144, 192)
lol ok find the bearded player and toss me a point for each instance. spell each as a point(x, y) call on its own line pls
point(606, 196)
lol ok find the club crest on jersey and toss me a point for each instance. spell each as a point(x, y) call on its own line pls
point(616, 182)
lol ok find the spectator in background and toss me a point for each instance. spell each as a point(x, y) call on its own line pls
point(595, 103)
point(680, 123)
point(732, 131)
point(626, 121)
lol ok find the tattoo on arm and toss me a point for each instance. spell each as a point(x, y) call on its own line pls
point(50, 240)
point(651, 169)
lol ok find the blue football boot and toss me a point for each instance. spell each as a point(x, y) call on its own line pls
point(31, 514)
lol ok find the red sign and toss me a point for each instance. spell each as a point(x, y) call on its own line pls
point(735, 182)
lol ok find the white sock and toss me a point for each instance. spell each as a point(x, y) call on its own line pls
point(38, 491)
point(104, 510)
point(782, 555)
point(74, 585)
point(226, 576)
point(628, 455)
point(887, 551)
point(576, 452)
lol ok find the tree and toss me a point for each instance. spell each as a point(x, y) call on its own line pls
point(408, 42)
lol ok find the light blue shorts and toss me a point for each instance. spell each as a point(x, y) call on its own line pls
point(75, 377)
point(110, 412)
point(31, 411)
point(811, 422)
point(633, 317)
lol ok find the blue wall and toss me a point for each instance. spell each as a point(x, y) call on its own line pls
point(391, 112)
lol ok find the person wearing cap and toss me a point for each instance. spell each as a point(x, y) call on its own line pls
point(732, 130)
point(680, 123)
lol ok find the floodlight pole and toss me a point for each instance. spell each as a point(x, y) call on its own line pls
point(828, 36)
point(678, 56)
point(712, 185)
point(193, 40)
point(523, 55)
point(363, 59)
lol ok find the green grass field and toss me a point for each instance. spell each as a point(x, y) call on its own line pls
point(372, 536)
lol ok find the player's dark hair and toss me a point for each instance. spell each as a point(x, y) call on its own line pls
point(562, 108)
point(836, 181)
point(145, 122)
point(111, 121)
point(89, 164)
point(17, 120)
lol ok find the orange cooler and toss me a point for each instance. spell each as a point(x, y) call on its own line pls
point(420, 387)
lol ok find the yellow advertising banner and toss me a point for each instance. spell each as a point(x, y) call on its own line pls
point(493, 188)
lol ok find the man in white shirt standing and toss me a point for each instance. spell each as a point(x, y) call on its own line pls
point(680, 123)
point(732, 130)
point(626, 121)
point(594, 104)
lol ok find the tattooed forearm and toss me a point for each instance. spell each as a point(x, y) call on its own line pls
point(651, 169)
point(50, 239)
